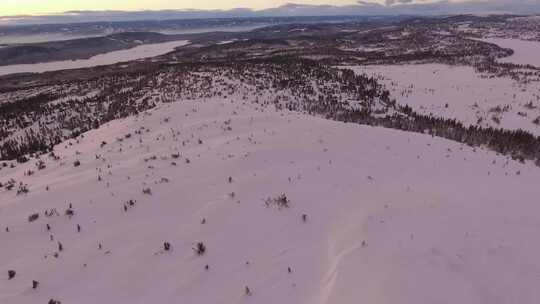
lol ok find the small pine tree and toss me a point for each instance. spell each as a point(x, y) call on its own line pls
point(200, 249)
point(70, 212)
point(33, 217)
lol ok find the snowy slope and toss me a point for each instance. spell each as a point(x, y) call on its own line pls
point(392, 217)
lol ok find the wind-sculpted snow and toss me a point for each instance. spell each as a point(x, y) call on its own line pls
point(290, 208)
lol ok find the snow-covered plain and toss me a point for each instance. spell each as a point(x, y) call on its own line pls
point(392, 217)
point(525, 52)
point(472, 98)
point(138, 52)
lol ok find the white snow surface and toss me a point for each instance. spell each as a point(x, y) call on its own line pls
point(525, 52)
point(472, 98)
point(392, 217)
point(138, 52)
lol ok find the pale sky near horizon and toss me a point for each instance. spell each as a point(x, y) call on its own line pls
point(38, 7)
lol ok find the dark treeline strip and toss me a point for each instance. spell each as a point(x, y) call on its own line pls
point(518, 144)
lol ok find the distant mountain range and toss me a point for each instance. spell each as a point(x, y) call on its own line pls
point(390, 7)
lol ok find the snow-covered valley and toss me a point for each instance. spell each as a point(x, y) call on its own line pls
point(390, 216)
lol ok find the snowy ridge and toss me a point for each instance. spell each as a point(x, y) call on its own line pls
point(61, 112)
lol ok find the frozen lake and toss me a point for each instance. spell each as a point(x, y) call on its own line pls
point(138, 52)
point(525, 52)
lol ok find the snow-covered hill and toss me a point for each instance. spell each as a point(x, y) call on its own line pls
point(371, 215)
